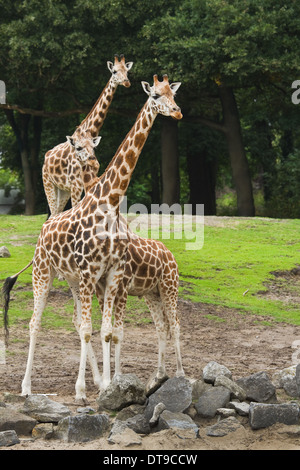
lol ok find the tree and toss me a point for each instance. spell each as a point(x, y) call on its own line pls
point(220, 47)
point(39, 55)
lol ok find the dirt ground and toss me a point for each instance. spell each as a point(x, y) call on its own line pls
point(243, 343)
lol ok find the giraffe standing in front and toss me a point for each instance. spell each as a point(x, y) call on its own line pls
point(151, 272)
point(84, 244)
point(61, 172)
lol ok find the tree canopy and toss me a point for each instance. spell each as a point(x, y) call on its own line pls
point(236, 60)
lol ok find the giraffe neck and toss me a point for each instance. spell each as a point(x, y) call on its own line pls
point(89, 178)
point(95, 118)
point(113, 184)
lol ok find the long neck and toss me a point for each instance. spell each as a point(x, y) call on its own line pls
point(113, 184)
point(95, 119)
point(89, 177)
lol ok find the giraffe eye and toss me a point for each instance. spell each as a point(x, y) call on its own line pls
point(79, 148)
point(155, 97)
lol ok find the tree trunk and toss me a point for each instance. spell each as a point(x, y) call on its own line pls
point(238, 159)
point(25, 158)
point(202, 179)
point(155, 183)
point(21, 133)
point(35, 150)
point(170, 162)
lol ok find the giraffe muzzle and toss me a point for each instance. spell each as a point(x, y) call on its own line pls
point(126, 83)
point(176, 114)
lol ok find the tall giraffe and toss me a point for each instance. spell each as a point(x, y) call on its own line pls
point(151, 272)
point(61, 172)
point(86, 243)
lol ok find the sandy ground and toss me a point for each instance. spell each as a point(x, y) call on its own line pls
point(243, 343)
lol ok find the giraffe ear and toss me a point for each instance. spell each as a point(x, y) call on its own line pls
point(174, 86)
point(96, 141)
point(110, 66)
point(70, 140)
point(128, 65)
point(146, 88)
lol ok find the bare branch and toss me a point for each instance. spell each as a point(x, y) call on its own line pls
point(218, 126)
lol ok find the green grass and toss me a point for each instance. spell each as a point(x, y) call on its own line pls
point(231, 269)
point(235, 264)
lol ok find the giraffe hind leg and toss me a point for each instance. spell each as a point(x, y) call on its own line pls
point(90, 352)
point(170, 309)
point(155, 306)
point(41, 287)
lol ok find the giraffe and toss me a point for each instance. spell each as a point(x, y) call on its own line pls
point(89, 242)
point(151, 272)
point(61, 172)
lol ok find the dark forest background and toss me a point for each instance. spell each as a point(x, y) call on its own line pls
point(237, 148)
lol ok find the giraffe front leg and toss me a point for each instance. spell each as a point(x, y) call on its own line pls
point(111, 287)
point(106, 335)
point(90, 352)
point(118, 333)
point(85, 332)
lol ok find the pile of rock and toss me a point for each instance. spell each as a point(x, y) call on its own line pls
point(214, 402)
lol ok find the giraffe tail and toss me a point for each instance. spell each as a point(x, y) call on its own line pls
point(7, 287)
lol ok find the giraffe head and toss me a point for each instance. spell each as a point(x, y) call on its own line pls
point(84, 146)
point(162, 97)
point(119, 71)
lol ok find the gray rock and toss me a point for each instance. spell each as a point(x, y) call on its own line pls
point(18, 422)
point(235, 390)
point(139, 424)
point(258, 387)
point(298, 379)
point(121, 392)
point(126, 437)
point(210, 401)
point(82, 428)
point(4, 252)
point(213, 369)
point(226, 412)
point(175, 394)
point(13, 398)
point(44, 410)
point(159, 408)
point(8, 438)
point(86, 409)
point(286, 379)
point(263, 415)
point(43, 431)
point(199, 387)
point(117, 428)
point(130, 411)
point(242, 408)
point(169, 420)
point(154, 383)
point(224, 427)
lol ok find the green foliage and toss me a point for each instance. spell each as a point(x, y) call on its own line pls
point(53, 58)
point(284, 200)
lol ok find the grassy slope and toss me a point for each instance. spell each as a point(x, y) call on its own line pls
point(230, 270)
